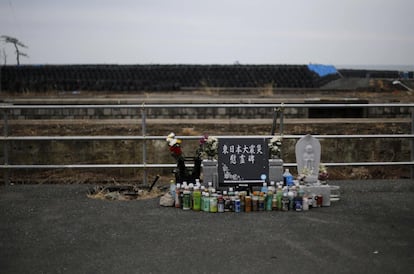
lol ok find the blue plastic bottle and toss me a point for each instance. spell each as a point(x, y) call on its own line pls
point(287, 178)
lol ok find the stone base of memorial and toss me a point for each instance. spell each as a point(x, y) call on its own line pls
point(210, 172)
point(275, 170)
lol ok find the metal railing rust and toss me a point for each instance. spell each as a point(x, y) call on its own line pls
point(6, 166)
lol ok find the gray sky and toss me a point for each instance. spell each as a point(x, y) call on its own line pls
point(370, 32)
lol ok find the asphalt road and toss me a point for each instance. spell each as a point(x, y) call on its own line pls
point(57, 229)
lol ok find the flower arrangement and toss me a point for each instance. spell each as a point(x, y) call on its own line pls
point(209, 147)
point(275, 145)
point(174, 144)
point(323, 173)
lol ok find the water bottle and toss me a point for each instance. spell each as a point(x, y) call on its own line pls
point(287, 178)
point(264, 188)
point(172, 189)
point(177, 196)
point(272, 187)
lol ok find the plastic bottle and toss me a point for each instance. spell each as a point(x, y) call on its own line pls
point(248, 203)
point(213, 204)
point(196, 199)
point(274, 201)
point(301, 192)
point(242, 196)
point(232, 199)
point(172, 189)
point(255, 201)
point(269, 200)
point(231, 191)
point(220, 204)
point(287, 178)
point(279, 196)
point(206, 203)
point(305, 203)
point(264, 188)
point(261, 202)
point(291, 200)
point(197, 183)
point(285, 202)
point(187, 199)
point(210, 187)
point(177, 199)
point(272, 187)
point(191, 188)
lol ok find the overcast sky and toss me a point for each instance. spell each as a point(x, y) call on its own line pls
point(365, 32)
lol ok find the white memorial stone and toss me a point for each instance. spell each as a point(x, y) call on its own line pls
point(308, 157)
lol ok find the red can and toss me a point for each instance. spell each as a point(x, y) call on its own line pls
point(319, 200)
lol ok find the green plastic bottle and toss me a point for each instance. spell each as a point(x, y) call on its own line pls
point(206, 202)
point(269, 198)
point(187, 199)
point(196, 199)
point(279, 196)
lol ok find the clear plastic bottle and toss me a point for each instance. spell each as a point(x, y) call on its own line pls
point(177, 199)
point(264, 188)
point(197, 183)
point(210, 187)
point(291, 197)
point(272, 187)
point(287, 178)
point(172, 189)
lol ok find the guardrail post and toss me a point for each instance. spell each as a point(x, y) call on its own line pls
point(6, 147)
point(282, 110)
point(144, 143)
point(412, 143)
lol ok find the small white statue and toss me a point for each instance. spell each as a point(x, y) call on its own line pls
point(308, 156)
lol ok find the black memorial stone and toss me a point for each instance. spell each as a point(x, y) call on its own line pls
point(243, 161)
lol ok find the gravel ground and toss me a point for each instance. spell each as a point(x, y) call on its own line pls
point(57, 229)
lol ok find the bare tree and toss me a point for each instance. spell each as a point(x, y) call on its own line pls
point(4, 56)
point(17, 44)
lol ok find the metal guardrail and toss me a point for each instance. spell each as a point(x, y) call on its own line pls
point(144, 165)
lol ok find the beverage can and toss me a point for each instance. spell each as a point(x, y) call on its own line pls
point(261, 203)
point(220, 205)
point(255, 201)
point(232, 203)
point(319, 200)
point(298, 204)
point(248, 203)
point(237, 207)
